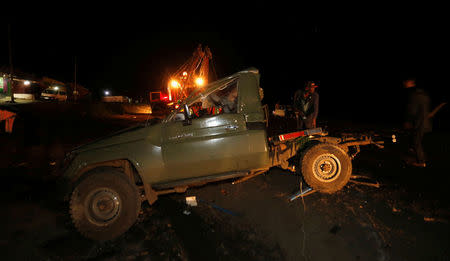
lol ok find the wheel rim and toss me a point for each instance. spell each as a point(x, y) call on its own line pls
point(326, 167)
point(104, 206)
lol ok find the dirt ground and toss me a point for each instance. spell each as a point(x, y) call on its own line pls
point(406, 218)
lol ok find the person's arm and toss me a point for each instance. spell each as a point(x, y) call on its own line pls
point(411, 111)
point(297, 110)
point(316, 109)
point(422, 111)
point(296, 96)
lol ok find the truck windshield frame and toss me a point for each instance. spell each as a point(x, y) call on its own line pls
point(218, 98)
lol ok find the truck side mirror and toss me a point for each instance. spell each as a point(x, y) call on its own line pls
point(187, 116)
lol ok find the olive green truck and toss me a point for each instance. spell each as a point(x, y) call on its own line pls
point(219, 132)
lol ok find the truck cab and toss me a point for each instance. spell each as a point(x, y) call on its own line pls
point(221, 129)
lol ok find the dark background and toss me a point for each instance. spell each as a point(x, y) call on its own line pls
point(360, 57)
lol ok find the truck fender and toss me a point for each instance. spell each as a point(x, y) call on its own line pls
point(131, 172)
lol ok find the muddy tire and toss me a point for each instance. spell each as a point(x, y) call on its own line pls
point(326, 167)
point(104, 205)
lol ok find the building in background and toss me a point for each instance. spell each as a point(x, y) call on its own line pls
point(29, 87)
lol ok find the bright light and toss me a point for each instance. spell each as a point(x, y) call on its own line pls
point(56, 87)
point(199, 81)
point(174, 84)
point(184, 73)
point(106, 92)
point(26, 83)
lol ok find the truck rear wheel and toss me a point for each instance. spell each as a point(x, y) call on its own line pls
point(104, 205)
point(326, 167)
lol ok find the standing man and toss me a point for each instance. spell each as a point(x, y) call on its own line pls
point(306, 105)
point(417, 119)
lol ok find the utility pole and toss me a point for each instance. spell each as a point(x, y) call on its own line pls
point(11, 69)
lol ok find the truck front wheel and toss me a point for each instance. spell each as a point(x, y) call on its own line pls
point(104, 205)
point(326, 167)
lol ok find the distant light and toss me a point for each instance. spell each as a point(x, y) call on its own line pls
point(174, 84)
point(199, 81)
point(184, 73)
point(106, 92)
point(26, 83)
point(56, 87)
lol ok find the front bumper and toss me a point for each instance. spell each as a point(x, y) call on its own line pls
point(47, 98)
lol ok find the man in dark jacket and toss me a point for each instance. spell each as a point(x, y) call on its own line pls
point(306, 105)
point(417, 119)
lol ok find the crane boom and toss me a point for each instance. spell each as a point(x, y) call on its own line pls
point(193, 74)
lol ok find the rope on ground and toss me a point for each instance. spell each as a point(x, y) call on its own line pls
point(374, 184)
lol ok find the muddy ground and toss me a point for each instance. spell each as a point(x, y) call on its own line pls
point(406, 218)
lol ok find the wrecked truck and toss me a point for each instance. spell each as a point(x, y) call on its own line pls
point(218, 133)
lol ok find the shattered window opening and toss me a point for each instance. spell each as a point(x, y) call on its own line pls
point(224, 100)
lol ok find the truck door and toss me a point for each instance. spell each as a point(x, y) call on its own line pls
point(215, 142)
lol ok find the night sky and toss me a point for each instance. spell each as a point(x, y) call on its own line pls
point(359, 58)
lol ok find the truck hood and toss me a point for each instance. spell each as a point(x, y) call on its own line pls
point(131, 134)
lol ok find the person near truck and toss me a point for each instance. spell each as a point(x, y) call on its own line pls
point(306, 106)
point(417, 121)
